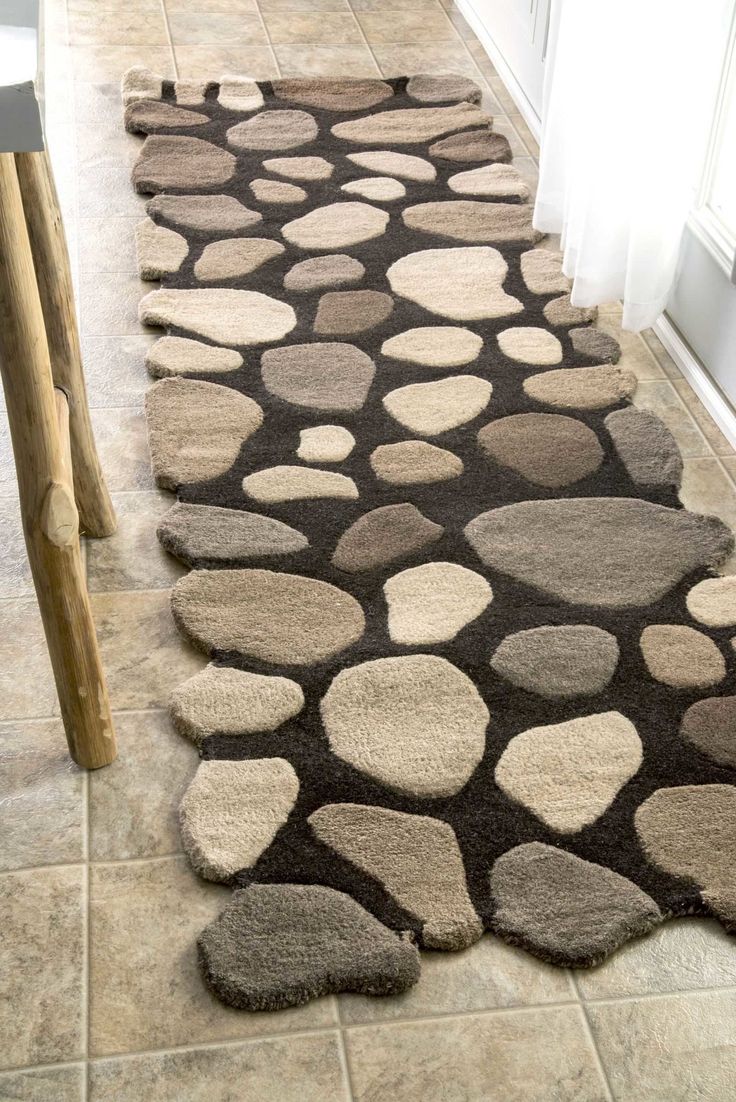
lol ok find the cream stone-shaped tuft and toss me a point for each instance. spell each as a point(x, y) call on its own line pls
point(581, 387)
point(541, 270)
point(159, 251)
point(498, 181)
point(435, 346)
point(300, 168)
point(529, 345)
point(713, 602)
point(235, 256)
point(432, 603)
point(232, 811)
point(277, 191)
point(336, 225)
point(273, 130)
point(182, 356)
point(464, 284)
point(239, 94)
point(325, 444)
point(140, 83)
point(682, 657)
point(389, 163)
point(410, 125)
point(190, 93)
point(431, 408)
point(414, 461)
point(377, 188)
point(415, 723)
point(416, 858)
point(560, 311)
point(297, 483)
point(210, 213)
point(568, 774)
point(222, 314)
point(172, 161)
point(224, 701)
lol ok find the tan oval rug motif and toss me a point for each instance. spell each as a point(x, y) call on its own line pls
point(470, 667)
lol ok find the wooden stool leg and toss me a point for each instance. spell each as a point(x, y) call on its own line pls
point(53, 276)
point(38, 418)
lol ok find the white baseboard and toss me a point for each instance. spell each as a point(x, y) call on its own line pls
point(718, 406)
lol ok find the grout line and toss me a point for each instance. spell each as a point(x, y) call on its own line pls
point(267, 33)
point(169, 39)
point(342, 1054)
point(230, 1042)
point(366, 43)
point(591, 1038)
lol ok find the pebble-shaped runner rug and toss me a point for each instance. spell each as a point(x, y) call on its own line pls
point(470, 666)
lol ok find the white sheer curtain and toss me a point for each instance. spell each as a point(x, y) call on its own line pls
point(629, 89)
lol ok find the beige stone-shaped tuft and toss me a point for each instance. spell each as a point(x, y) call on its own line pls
point(713, 602)
point(206, 534)
point(442, 88)
point(432, 603)
point(277, 191)
point(410, 125)
point(224, 315)
point(325, 444)
point(473, 146)
point(334, 270)
point(378, 188)
point(326, 94)
point(239, 94)
point(300, 168)
point(235, 256)
point(682, 657)
point(172, 161)
point(274, 130)
point(140, 83)
point(581, 387)
point(286, 619)
point(336, 225)
point(435, 346)
point(415, 723)
point(325, 376)
point(190, 93)
point(232, 811)
point(541, 270)
point(196, 429)
point(390, 163)
point(145, 116)
point(159, 251)
point(414, 461)
point(415, 857)
point(646, 447)
point(224, 701)
point(711, 726)
point(529, 345)
point(211, 213)
point(384, 535)
point(182, 356)
point(497, 181)
point(298, 484)
point(432, 408)
point(547, 449)
point(568, 774)
point(470, 220)
point(343, 313)
point(560, 311)
point(464, 284)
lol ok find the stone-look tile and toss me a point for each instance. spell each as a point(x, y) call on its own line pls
point(635, 355)
point(524, 132)
point(97, 64)
point(114, 5)
point(452, 57)
point(305, 1069)
point(105, 189)
point(116, 28)
point(8, 484)
point(393, 5)
point(400, 26)
point(681, 955)
point(142, 651)
point(661, 354)
point(706, 488)
point(729, 462)
point(717, 441)
point(133, 558)
point(487, 976)
point(325, 61)
point(26, 683)
point(503, 124)
point(203, 61)
point(215, 28)
point(41, 796)
point(146, 990)
point(99, 103)
point(677, 1047)
point(530, 1055)
point(229, 7)
point(661, 398)
point(304, 5)
point(107, 245)
point(332, 27)
point(527, 168)
point(108, 303)
point(115, 369)
point(63, 1084)
point(41, 956)
point(123, 448)
point(134, 803)
point(15, 573)
point(489, 72)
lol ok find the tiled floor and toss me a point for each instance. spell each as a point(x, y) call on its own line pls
point(98, 909)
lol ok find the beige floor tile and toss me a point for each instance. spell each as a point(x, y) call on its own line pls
point(8, 483)
point(487, 976)
point(41, 959)
point(661, 398)
point(304, 5)
point(717, 441)
point(729, 462)
point(516, 1056)
point(685, 954)
point(41, 796)
point(131, 6)
point(107, 245)
point(400, 26)
point(26, 683)
point(525, 134)
point(15, 573)
point(134, 803)
point(461, 25)
point(303, 1069)
point(133, 558)
point(395, 5)
point(215, 28)
point(143, 653)
point(64, 1084)
point(528, 169)
point(227, 7)
point(121, 27)
point(108, 303)
point(328, 28)
point(97, 64)
point(676, 1048)
point(635, 355)
point(407, 58)
point(706, 488)
point(661, 354)
point(323, 61)
point(115, 369)
point(212, 61)
point(503, 125)
point(146, 988)
point(123, 448)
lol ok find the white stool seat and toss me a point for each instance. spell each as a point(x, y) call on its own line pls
point(21, 100)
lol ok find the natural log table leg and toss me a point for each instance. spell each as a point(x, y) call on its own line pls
point(39, 426)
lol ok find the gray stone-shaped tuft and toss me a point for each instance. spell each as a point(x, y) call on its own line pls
point(199, 534)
